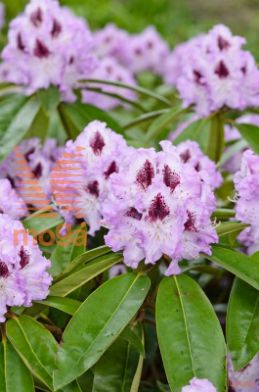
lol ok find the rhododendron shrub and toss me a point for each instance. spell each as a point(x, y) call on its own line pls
point(129, 208)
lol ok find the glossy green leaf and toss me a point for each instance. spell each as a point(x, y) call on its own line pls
point(85, 257)
point(97, 324)
point(78, 278)
point(244, 267)
point(116, 369)
point(10, 105)
point(190, 337)
point(197, 131)
point(230, 228)
point(66, 305)
point(251, 134)
point(19, 126)
point(41, 222)
point(68, 248)
point(162, 122)
point(242, 323)
point(75, 118)
point(49, 99)
point(14, 376)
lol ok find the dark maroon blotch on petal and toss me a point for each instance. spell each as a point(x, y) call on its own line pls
point(223, 43)
point(28, 153)
point(41, 50)
point(36, 17)
point(190, 223)
point(56, 28)
point(158, 209)
point(185, 156)
point(24, 257)
point(221, 70)
point(133, 213)
point(113, 168)
point(97, 143)
point(145, 175)
point(171, 179)
point(93, 188)
point(20, 44)
point(4, 272)
point(37, 171)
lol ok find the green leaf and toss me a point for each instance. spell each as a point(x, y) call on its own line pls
point(251, 134)
point(189, 334)
point(66, 305)
point(86, 257)
point(68, 248)
point(116, 369)
point(134, 339)
point(244, 267)
point(242, 323)
point(77, 279)
point(9, 106)
point(162, 122)
point(197, 131)
point(97, 324)
point(75, 118)
point(14, 376)
point(49, 99)
point(41, 222)
point(35, 345)
point(216, 139)
point(19, 126)
point(230, 228)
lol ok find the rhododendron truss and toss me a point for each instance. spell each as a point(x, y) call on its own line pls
point(129, 204)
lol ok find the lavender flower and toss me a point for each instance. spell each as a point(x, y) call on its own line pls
point(146, 51)
point(247, 187)
point(213, 71)
point(109, 41)
point(80, 178)
point(47, 45)
point(199, 385)
point(109, 69)
point(244, 380)
point(160, 207)
point(23, 276)
point(10, 203)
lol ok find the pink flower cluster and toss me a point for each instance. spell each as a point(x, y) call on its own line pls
point(247, 211)
point(246, 379)
point(146, 51)
point(212, 71)
point(199, 385)
point(152, 203)
point(48, 45)
point(23, 269)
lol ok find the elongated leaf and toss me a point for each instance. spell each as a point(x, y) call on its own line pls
point(242, 323)
point(14, 376)
point(189, 334)
point(9, 106)
point(41, 222)
point(251, 134)
point(244, 267)
point(84, 258)
point(77, 279)
point(197, 131)
point(19, 126)
point(68, 248)
point(116, 369)
point(230, 228)
point(162, 122)
point(76, 116)
point(66, 305)
point(97, 324)
point(35, 345)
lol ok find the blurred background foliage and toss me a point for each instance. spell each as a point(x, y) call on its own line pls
point(177, 20)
